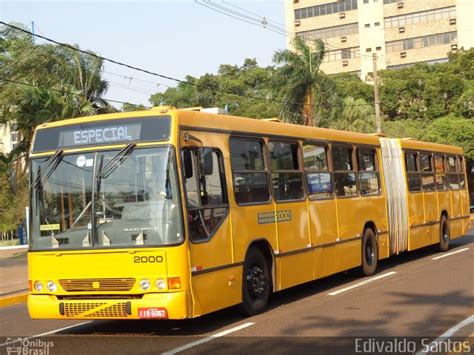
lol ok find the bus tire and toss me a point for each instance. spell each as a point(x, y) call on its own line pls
point(370, 253)
point(256, 282)
point(444, 235)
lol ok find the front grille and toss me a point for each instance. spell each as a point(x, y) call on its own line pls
point(116, 284)
point(95, 310)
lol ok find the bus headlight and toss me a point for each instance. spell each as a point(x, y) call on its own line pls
point(160, 284)
point(51, 286)
point(38, 286)
point(144, 284)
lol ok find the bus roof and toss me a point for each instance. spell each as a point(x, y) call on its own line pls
point(199, 120)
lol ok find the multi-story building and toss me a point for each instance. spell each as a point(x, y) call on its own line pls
point(399, 32)
point(8, 138)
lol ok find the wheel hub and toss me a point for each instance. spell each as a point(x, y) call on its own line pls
point(369, 252)
point(256, 281)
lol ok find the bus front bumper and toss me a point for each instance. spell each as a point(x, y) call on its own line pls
point(172, 305)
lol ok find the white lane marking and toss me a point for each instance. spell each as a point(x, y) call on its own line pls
point(362, 283)
point(448, 254)
point(447, 334)
point(209, 338)
point(13, 341)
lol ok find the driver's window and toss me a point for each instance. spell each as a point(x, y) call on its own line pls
point(206, 197)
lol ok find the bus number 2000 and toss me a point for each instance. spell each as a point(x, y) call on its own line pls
point(147, 259)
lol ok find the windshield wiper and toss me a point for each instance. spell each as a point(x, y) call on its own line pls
point(115, 162)
point(50, 167)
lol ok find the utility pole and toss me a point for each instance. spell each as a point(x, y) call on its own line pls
point(33, 30)
point(376, 95)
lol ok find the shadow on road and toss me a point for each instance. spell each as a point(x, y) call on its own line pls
point(217, 320)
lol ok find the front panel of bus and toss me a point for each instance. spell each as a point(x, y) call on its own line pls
point(107, 238)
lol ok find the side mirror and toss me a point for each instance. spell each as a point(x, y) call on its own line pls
point(187, 164)
point(206, 161)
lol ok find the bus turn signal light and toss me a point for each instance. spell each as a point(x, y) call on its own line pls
point(174, 283)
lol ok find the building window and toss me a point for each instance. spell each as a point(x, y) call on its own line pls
point(325, 9)
point(367, 25)
point(249, 174)
point(421, 17)
point(329, 32)
point(421, 42)
point(376, 24)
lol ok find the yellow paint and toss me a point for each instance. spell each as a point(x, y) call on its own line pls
point(321, 238)
point(49, 227)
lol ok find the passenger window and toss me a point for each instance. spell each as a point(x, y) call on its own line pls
point(440, 177)
point(412, 170)
point(369, 182)
point(462, 176)
point(427, 174)
point(287, 178)
point(206, 197)
point(344, 174)
point(453, 173)
point(318, 177)
point(250, 177)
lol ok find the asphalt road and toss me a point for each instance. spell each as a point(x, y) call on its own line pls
point(416, 295)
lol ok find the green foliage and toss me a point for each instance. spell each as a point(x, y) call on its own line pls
point(128, 107)
point(453, 130)
point(248, 80)
point(357, 116)
point(300, 80)
point(427, 92)
point(43, 83)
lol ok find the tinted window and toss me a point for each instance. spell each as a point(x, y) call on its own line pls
point(369, 182)
point(287, 180)
point(315, 157)
point(284, 156)
point(366, 159)
point(342, 158)
point(250, 178)
point(413, 175)
point(246, 154)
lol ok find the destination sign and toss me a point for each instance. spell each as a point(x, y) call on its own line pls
point(100, 135)
point(126, 130)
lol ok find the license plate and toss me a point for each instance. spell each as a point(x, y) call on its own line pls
point(154, 312)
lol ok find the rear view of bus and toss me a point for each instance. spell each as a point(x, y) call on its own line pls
point(106, 220)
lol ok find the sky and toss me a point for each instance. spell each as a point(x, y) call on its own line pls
point(174, 38)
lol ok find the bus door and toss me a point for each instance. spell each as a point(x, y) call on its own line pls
point(208, 221)
point(253, 213)
point(295, 262)
point(321, 207)
point(416, 215)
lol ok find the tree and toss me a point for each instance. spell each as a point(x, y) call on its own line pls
point(43, 83)
point(357, 116)
point(300, 72)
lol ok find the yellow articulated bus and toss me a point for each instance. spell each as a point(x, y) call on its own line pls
point(172, 214)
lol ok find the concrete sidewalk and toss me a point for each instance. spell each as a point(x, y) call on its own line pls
point(13, 276)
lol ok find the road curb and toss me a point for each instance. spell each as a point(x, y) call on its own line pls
point(14, 299)
point(12, 247)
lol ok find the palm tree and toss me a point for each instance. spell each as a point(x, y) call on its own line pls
point(357, 116)
point(300, 72)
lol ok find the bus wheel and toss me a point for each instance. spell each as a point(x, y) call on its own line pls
point(444, 234)
point(256, 282)
point(370, 253)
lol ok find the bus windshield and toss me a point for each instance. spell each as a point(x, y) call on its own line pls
point(106, 199)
